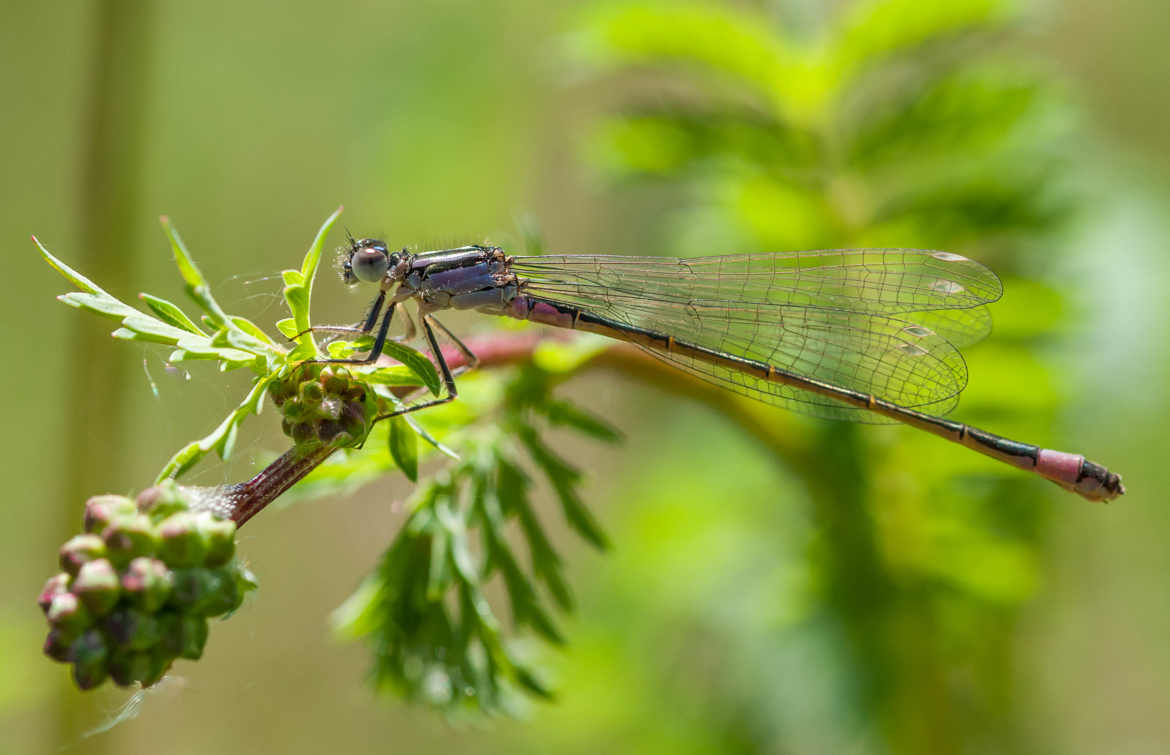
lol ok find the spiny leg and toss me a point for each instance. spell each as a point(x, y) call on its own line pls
point(375, 350)
point(362, 329)
point(448, 378)
point(472, 359)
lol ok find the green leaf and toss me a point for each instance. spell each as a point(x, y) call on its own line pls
point(250, 328)
point(287, 327)
point(416, 362)
point(512, 492)
point(566, 414)
point(403, 444)
point(195, 284)
point(298, 288)
point(564, 479)
point(74, 277)
point(138, 325)
point(170, 313)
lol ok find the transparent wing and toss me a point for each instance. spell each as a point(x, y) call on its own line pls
point(825, 315)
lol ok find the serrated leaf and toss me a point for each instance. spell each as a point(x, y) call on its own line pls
point(403, 443)
point(171, 314)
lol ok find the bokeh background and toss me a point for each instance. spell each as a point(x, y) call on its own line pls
point(775, 584)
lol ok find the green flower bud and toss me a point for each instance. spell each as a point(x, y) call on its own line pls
point(131, 629)
point(160, 661)
point(192, 588)
point(280, 391)
point(128, 668)
point(147, 582)
point(89, 659)
point(223, 593)
point(56, 585)
point(162, 500)
point(295, 410)
point(184, 635)
point(194, 637)
point(311, 392)
point(67, 613)
point(102, 509)
point(335, 379)
point(81, 549)
point(180, 541)
point(220, 537)
point(128, 538)
point(58, 645)
point(98, 586)
point(303, 432)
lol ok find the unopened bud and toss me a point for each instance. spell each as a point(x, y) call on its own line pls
point(128, 538)
point(147, 582)
point(162, 500)
point(67, 613)
point(89, 659)
point(128, 668)
point(58, 645)
point(131, 629)
point(103, 509)
point(56, 585)
point(81, 549)
point(98, 586)
point(223, 593)
point(220, 537)
point(192, 588)
point(311, 392)
point(180, 541)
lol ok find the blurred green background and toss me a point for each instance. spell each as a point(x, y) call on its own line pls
point(775, 584)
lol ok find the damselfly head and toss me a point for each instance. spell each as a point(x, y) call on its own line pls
point(366, 261)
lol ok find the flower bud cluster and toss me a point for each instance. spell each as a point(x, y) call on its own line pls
point(324, 404)
point(138, 586)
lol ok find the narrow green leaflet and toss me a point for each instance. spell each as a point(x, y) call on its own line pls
point(239, 332)
point(564, 479)
point(404, 447)
point(171, 313)
point(139, 326)
point(298, 288)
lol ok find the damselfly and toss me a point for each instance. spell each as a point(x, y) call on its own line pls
point(869, 335)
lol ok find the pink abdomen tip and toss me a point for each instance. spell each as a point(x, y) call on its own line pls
point(1058, 465)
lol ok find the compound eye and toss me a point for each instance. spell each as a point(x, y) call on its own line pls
point(369, 264)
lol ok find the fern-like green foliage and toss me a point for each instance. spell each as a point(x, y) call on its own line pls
point(435, 635)
point(877, 123)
